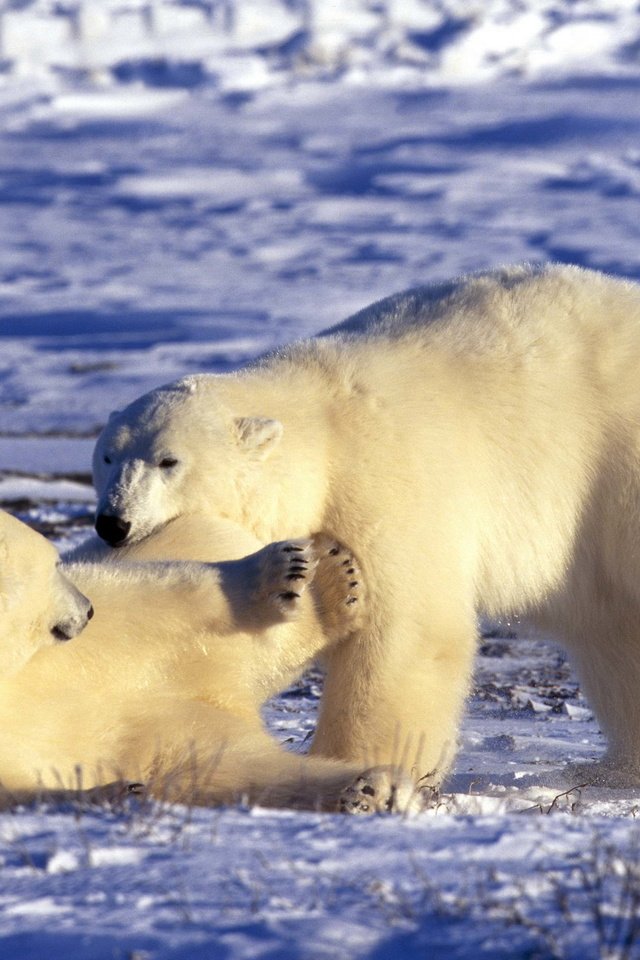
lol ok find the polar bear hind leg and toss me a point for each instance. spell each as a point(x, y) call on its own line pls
point(606, 656)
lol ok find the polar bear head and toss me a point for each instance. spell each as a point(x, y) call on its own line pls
point(38, 604)
point(172, 453)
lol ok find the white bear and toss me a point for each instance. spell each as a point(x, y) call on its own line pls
point(166, 682)
point(477, 443)
point(29, 626)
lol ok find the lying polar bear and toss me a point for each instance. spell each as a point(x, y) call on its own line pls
point(478, 445)
point(166, 682)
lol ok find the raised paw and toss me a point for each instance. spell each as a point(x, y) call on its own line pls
point(381, 790)
point(338, 590)
point(287, 569)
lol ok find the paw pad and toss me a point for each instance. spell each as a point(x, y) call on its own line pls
point(381, 790)
point(289, 595)
point(287, 570)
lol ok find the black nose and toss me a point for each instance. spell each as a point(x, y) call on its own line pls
point(112, 529)
point(90, 613)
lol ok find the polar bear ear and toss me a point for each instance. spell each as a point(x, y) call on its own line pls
point(113, 414)
point(259, 435)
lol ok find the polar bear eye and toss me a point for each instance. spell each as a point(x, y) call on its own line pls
point(107, 459)
point(167, 462)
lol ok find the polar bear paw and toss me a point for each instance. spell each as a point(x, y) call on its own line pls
point(117, 790)
point(286, 570)
point(338, 589)
point(381, 790)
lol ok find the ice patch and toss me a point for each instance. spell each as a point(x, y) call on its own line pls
point(115, 856)
point(42, 907)
point(46, 455)
point(225, 186)
point(577, 713)
point(28, 488)
point(64, 861)
point(120, 103)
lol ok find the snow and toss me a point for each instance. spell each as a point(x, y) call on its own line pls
point(112, 104)
point(184, 185)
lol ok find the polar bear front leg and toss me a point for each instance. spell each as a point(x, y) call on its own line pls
point(394, 691)
point(339, 592)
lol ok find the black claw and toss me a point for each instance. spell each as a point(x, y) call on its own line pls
point(293, 549)
point(368, 789)
point(354, 583)
point(334, 551)
point(351, 600)
point(289, 595)
point(294, 576)
point(351, 570)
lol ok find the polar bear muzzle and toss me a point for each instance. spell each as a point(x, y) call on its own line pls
point(112, 529)
point(74, 610)
point(68, 629)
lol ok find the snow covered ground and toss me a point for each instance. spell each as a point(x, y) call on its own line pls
point(186, 184)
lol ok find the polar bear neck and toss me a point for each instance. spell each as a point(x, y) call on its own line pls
point(320, 400)
point(291, 483)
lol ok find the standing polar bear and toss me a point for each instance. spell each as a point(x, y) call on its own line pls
point(166, 682)
point(477, 443)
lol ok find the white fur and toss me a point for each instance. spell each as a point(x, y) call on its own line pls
point(477, 443)
point(28, 562)
point(165, 684)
